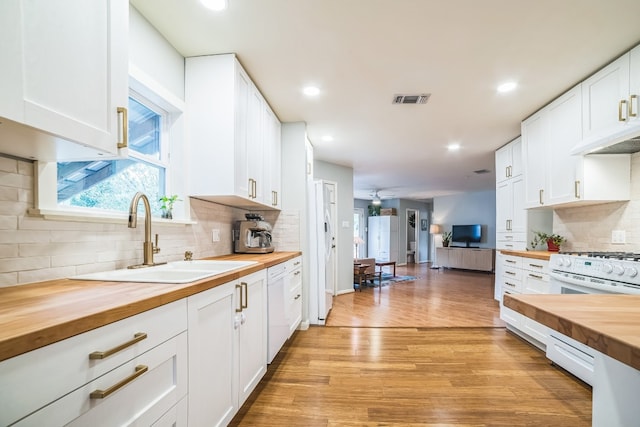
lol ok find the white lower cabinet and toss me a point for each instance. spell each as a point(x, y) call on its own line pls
point(131, 371)
point(294, 288)
point(521, 275)
point(227, 348)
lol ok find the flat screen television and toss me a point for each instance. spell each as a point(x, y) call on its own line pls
point(466, 234)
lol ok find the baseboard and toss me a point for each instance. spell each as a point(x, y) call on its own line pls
point(303, 326)
point(345, 291)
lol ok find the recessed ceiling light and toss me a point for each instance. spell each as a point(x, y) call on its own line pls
point(327, 138)
point(453, 147)
point(216, 5)
point(311, 91)
point(507, 87)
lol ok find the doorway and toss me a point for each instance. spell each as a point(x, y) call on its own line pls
point(413, 235)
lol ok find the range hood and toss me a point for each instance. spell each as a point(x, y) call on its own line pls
point(625, 140)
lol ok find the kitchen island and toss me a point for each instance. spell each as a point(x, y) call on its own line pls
point(610, 325)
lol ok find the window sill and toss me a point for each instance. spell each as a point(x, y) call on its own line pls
point(99, 217)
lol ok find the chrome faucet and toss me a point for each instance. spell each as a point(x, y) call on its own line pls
point(149, 248)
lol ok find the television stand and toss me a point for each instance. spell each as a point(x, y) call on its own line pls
point(467, 258)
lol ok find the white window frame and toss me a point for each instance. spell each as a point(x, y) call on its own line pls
point(145, 88)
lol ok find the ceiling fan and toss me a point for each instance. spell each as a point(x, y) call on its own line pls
point(376, 198)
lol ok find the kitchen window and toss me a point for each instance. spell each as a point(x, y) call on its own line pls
point(100, 190)
point(109, 184)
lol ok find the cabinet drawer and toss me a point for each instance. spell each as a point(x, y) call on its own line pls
point(511, 317)
point(295, 308)
point(141, 401)
point(59, 368)
point(510, 273)
point(536, 283)
point(512, 285)
point(512, 261)
point(537, 265)
point(293, 264)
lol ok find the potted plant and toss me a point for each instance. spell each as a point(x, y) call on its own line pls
point(167, 205)
point(553, 241)
point(446, 238)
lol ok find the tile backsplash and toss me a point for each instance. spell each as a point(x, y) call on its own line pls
point(34, 249)
point(589, 227)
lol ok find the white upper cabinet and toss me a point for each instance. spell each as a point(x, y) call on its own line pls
point(605, 98)
point(229, 129)
point(610, 104)
point(564, 131)
point(553, 176)
point(65, 76)
point(509, 161)
point(273, 152)
point(535, 168)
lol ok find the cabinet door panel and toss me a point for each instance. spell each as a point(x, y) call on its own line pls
point(601, 94)
point(212, 392)
point(564, 121)
point(252, 348)
point(533, 146)
point(70, 60)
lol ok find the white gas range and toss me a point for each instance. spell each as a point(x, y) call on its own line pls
point(595, 273)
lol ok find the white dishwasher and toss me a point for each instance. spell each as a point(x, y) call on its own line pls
point(278, 324)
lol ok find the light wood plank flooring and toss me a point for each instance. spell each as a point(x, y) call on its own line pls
point(446, 360)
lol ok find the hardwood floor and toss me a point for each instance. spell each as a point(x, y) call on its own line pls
point(446, 360)
point(437, 298)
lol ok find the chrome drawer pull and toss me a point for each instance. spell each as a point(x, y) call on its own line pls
point(510, 261)
point(535, 276)
point(101, 394)
point(510, 272)
point(104, 354)
point(296, 273)
point(297, 296)
point(245, 304)
point(535, 265)
point(238, 310)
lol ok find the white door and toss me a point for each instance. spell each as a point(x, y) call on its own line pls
point(329, 208)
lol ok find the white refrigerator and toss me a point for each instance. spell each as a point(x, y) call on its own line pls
point(322, 250)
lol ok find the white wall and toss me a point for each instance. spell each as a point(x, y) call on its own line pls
point(468, 208)
point(343, 176)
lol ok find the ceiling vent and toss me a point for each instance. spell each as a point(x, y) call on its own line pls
point(411, 99)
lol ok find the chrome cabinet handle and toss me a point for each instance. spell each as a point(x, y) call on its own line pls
point(296, 273)
point(621, 109)
point(104, 354)
point(535, 265)
point(540, 193)
point(576, 189)
point(510, 272)
point(297, 296)
point(123, 140)
point(101, 394)
point(510, 261)
point(535, 276)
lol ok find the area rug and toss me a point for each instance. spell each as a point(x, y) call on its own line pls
point(388, 279)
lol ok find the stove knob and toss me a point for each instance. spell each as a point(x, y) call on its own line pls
point(607, 268)
point(567, 262)
point(617, 269)
point(559, 261)
point(631, 271)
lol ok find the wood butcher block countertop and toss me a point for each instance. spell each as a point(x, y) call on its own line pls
point(37, 314)
point(543, 255)
point(607, 323)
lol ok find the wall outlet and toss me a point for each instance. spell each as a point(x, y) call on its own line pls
point(618, 237)
point(215, 235)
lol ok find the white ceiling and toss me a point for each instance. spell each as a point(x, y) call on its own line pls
point(362, 52)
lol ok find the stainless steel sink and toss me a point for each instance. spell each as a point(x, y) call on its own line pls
point(173, 272)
